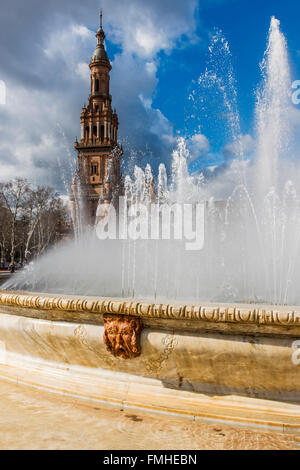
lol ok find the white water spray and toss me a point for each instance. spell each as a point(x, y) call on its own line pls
point(252, 236)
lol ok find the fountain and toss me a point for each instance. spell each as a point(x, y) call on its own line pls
point(209, 333)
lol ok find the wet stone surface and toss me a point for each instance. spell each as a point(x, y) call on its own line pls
point(33, 419)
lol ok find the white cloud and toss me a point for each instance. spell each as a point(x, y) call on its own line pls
point(243, 146)
point(150, 42)
point(198, 146)
point(162, 127)
point(51, 83)
point(151, 68)
point(70, 44)
point(147, 102)
point(82, 31)
point(83, 71)
point(145, 28)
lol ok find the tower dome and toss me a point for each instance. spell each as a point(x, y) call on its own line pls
point(100, 52)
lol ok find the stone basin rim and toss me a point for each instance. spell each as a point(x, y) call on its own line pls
point(238, 313)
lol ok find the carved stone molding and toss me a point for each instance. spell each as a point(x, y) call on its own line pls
point(122, 335)
point(238, 314)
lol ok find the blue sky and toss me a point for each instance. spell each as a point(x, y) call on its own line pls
point(158, 50)
point(245, 24)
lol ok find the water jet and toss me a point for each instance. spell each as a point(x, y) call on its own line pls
point(197, 350)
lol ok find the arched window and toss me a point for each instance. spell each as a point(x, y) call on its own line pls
point(94, 169)
point(97, 84)
point(95, 131)
point(102, 134)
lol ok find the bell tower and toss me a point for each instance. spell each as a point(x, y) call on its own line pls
point(98, 171)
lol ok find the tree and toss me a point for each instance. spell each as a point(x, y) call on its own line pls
point(13, 195)
point(28, 219)
point(4, 233)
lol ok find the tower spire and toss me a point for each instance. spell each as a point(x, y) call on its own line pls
point(100, 33)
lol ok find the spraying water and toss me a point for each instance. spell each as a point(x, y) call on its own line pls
point(251, 236)
point(273, 110)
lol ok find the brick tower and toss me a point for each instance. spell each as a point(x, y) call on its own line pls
point(98, 172)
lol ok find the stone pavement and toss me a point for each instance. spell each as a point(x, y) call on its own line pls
point(34, 419)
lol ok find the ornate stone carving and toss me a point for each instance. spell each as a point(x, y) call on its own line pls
point(122, 335)
point(155, 364)
point(239, 314)
point(81, 333)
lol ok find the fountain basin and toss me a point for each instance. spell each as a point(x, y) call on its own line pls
point(209, 361)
